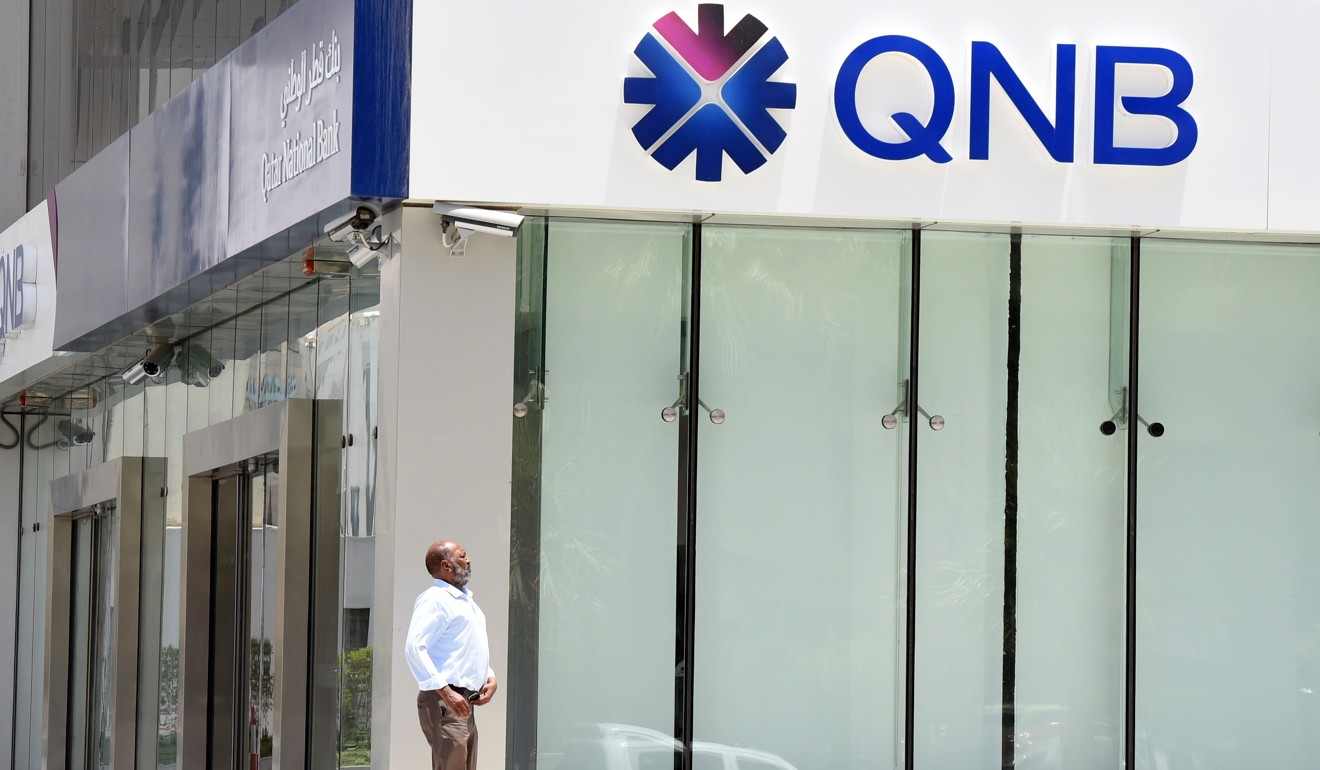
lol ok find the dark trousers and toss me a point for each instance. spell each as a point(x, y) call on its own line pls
point(453, 740)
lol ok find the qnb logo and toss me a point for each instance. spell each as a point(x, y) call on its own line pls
point(711, 93)
point(18, 290)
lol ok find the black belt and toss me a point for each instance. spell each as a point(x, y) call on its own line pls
point(469, 695)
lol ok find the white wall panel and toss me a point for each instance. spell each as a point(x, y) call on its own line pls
point(531, 110)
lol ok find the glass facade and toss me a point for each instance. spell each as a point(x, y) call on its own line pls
point(275, 336)
point(1228, 616)
point(785, 498)
point(98, 68)
point(796, 497)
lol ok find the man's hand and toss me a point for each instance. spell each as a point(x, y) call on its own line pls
point(456, 703)
point(487, 691)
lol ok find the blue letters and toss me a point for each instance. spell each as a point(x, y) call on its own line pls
point(987, 63)
point(11, 292)
point(922, 139)
point(1107, 59)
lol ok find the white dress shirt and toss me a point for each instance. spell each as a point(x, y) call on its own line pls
point(447, 641)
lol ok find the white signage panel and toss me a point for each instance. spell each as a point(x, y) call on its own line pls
point(27, 293)
point(1125, 114)
point(1294, 116)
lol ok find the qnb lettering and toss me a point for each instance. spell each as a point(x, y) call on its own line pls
point(990, 69)
point(17, 291)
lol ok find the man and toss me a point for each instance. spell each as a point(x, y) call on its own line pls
point(449, 655)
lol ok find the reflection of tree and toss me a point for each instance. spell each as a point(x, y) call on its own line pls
point(261, 684)
point(167, 740)
point(355, 709)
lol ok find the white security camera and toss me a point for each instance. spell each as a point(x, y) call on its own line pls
point(475, 220)
point(359, 220)
point(152, 365)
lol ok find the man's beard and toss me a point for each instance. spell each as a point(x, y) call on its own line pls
point(461, 576)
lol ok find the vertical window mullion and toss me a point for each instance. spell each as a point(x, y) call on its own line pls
point(1130, 635)
point(686, 521)
point(910, 651)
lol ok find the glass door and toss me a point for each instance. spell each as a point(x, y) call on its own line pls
point(596, 415)
point(259, 603)
point(244, 532)
point(801, 498)
point(1228, 615)
point(91, 624)
point(1021, 502)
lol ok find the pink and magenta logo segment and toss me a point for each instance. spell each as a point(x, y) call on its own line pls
point(710, 93)
point(709, 50)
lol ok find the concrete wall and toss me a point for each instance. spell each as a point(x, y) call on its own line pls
point(447, 332)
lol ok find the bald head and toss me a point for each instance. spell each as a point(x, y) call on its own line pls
point(439, 551)
point(448, 561)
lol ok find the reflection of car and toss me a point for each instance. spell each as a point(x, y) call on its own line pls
point(609, 746)
point(1047, 733)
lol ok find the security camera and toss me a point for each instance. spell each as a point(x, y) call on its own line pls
point(368, 246)
point(74, 433)
point(199, 366)
point(152, 365)
point(475, 220)
point(359, 220)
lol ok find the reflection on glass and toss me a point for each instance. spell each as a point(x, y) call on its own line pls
point(81, 591)
point(1071, 531)
point(93, 566)
point(262, 505)
point(103, 670)
point(960, 497)
point(1228, 615)
point(614, 336)
point(358, 518)
point(268, 353)
point(247, 364)
point(800, 500)
point(272, 382)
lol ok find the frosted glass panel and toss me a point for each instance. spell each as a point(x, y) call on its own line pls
point(801, 500)
point(960, 501)
point(1071, 506)
point(1228, 613)
point(609, 506)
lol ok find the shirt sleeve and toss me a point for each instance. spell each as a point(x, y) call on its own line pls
point(428, 622)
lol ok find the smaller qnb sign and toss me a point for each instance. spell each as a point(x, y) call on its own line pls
point(17, 290)
point(711, 93)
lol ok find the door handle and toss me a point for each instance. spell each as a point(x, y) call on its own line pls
point(891, 420)
point(1110, 426)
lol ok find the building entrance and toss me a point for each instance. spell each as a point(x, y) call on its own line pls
point(92, 610)
point(261, 584)
point(244, 532)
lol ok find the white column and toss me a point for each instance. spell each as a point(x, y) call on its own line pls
point(446, 385)
point(10, 506)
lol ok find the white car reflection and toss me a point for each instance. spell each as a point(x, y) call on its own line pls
point(610, 746)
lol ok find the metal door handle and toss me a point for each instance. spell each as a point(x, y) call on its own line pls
point(1110, 426)
point(891, 420)
point(670, 413)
